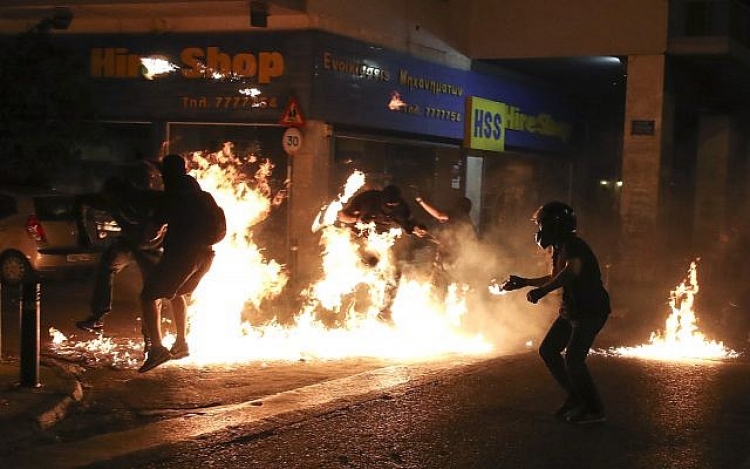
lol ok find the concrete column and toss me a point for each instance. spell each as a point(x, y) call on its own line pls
point(711, 188)
point(641, 167)
point(311, 168)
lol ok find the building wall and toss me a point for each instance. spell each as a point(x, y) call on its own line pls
point(419, 27)
point(541, 28)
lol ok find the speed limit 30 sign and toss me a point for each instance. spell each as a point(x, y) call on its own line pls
point(291, 140)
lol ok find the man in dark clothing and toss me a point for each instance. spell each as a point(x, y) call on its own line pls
point(140, 241)
point(383, 207)
point(456, 229)
point(187, 258)
point(584, 310)
point(386, 209)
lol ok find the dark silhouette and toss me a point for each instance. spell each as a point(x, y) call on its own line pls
point(187, 257)
point(583, 312)
point(456, 229)
point(137, 213)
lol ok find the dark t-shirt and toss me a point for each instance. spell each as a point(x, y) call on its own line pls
point(586, 295)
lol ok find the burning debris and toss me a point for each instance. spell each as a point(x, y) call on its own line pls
point(102, 351)
point(681, 339)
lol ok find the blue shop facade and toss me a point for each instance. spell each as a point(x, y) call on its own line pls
point(437, 131)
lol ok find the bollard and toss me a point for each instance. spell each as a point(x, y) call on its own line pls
point(29, 317)
point(2, 304)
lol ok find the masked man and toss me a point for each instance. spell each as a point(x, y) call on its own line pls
point(584, 309)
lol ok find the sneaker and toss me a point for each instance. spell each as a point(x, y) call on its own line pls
point(180, 350)
point(158, 355)
point(91, 324)
point(570, 406)
point(586, 416)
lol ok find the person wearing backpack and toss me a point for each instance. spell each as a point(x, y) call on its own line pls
point(193, 226)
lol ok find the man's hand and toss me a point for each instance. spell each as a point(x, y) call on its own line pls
point(514, 283)
point(420, 232)
point(536, 294)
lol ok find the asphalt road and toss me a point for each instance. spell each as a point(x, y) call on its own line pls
point(498, 414)
point(493, 414)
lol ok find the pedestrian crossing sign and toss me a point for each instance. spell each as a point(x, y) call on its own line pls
point(292, 116)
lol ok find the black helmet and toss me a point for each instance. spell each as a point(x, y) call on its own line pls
point(173, 165)
point(557, 221)
point(391, 194)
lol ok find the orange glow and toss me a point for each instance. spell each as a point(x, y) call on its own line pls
point(338, 316)
point(681, 338)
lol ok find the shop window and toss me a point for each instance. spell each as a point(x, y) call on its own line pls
point(416, 168)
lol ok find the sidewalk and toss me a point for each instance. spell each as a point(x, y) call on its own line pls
point(25, 411)
point(81, 402)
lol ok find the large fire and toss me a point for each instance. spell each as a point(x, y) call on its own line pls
point(681, 338)
point(339, 312)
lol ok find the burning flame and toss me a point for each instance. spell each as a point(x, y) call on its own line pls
point(495, 288)
point(328, 213)
point(156, 66)
point(396, 103)
point(681, 338)
point(339, 316)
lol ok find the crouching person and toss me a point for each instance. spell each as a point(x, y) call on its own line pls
point(583, 312)
point(188, 255)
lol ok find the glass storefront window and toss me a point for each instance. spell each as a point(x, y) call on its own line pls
point(417, 168)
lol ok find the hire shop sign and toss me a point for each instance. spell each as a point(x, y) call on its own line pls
point(194, 76)
point(488, 122)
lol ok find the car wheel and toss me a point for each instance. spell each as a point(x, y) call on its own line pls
point(14, 268)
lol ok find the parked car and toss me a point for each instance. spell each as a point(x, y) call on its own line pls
point(43, 235)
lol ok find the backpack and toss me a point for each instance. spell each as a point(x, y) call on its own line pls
point(211, 218)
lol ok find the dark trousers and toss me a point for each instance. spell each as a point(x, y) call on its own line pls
point(575, 337)
point(119, 255)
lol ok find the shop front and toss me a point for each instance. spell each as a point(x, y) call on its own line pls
point(445, 133)
point(436, 131)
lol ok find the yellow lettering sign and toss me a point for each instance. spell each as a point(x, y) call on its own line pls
point(196, 62)
point(488, 120)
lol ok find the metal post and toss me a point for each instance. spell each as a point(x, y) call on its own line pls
point(29, 311)
point(2, 303)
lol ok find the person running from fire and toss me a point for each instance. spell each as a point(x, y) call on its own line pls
point(385, 209)
point(583, 312)
point(187, 258)
point(135, 211)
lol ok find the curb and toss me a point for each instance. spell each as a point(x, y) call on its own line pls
point(49, 418)
point(31, 409)
point(67, 386)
